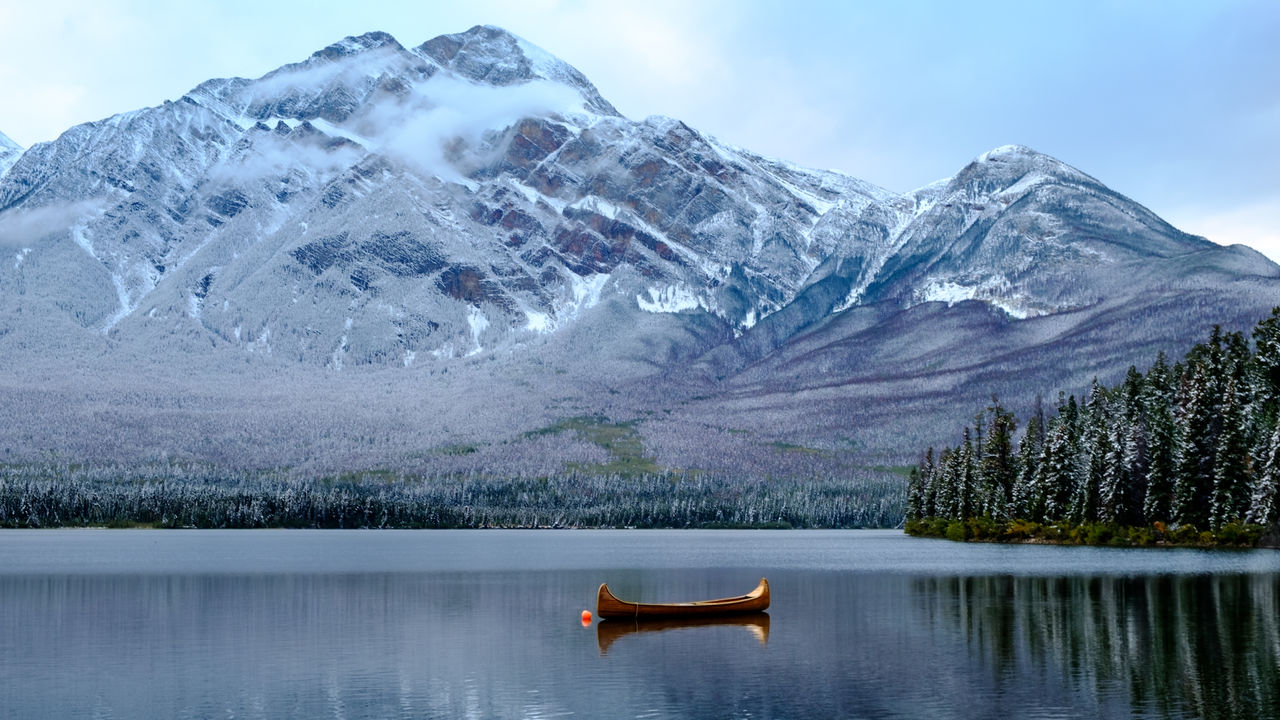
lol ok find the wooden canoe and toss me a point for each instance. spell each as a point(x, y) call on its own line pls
point(608, 606)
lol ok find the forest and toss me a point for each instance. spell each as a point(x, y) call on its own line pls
point(196, 496)
point(1187, 453)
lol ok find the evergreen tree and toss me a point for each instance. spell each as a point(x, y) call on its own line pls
point(1158, 407)
point(1056, 477)
point(1231, 463)
point(945, 484)
point(998, 465)
point(1193, 485)
point(1266, 364)
point(1113, 490)
point(1130, 440)
point(1027, 503)
point(1095, 447)
point(915, 494)
point(929, 488)
point(1136, 472)
point(1265, 504)
point(965, 478)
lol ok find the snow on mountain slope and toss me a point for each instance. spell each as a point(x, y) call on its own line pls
point(9, 153)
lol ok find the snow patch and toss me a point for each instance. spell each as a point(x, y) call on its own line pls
point(477, 323)
point(262, 342)
point(599, 206)
point(586, 291)
point(670, 299)
point(948, 292)
point(995, 292)
point(537, 322)
point(335, 360)
point(533, 196)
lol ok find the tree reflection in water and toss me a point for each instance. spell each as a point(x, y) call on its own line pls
point(1204, 646)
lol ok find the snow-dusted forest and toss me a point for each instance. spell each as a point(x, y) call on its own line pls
point(1188, 452)
point(180, 496)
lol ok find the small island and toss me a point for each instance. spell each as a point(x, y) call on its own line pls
point(1186, 454)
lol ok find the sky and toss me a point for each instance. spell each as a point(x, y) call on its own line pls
point(1174, 104)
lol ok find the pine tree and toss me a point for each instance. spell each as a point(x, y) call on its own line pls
point(1158, 408)
point(944, 482)
point(1136, 469)
point(1193, 485)
point(928, 483)
point(1266, 364)
point(915, 495)
point(1231, 463)
point(998, 465)
point(1056, 477)
point(1265, 501)
point(965, 478)
point(1095, 446)
point(1026, 502)
point(1130, 439)
point(1114, 487)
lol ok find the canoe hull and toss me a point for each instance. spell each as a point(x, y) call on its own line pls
point(609, 606)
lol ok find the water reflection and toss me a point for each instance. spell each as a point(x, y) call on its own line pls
point(609, 631)
point(445, 625)
point(1175, 645)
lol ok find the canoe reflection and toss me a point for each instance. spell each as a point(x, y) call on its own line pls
point(608, 631)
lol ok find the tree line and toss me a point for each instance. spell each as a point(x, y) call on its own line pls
point(1187, 452)
point(186, 496)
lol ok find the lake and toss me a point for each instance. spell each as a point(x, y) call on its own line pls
point(485, 624)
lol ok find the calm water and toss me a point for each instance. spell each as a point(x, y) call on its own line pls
point(485, 624)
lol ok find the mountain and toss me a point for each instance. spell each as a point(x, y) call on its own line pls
point(470, 221)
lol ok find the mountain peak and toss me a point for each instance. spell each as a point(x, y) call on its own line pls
point(1008, 152)
point(494, 56)
point(1010, 167)
point(356, 44)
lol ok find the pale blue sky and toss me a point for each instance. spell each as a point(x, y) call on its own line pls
point(1176, 104)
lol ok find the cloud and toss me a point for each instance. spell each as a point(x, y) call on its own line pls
point(347, 71)
point(273, 156)
point(22, 228)
point(417, 131)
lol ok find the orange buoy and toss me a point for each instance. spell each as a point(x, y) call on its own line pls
point(586, 617)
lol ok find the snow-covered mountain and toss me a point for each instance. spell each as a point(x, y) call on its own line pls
point(374, 202)
point(378, 205)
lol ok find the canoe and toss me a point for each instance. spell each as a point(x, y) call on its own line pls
point(608, 606)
